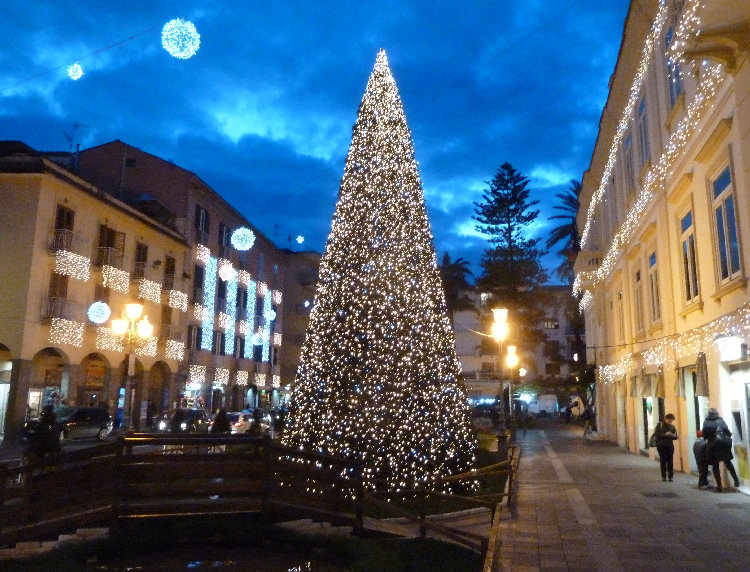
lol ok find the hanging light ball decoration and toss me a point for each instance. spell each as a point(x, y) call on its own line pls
point(180, 38)
point(242, 238)
point(75, 71)
point(99, 312)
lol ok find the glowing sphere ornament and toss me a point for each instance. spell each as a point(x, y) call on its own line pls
point(180, 38)
point(99, 312)
point(300, 239)
point(243, 238)
point(75, 71)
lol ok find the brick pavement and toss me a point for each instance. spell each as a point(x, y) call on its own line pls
point(588, 505)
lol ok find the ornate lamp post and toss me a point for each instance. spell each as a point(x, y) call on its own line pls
point(512, 360)
point(132, 327)
point(500, 332)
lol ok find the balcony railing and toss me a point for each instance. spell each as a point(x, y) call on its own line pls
point(109, 256)
point(139, 270)
point(55, 307)
point(64, 239)
point(167, 282)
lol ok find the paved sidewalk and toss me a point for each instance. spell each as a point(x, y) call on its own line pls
point(587, 505)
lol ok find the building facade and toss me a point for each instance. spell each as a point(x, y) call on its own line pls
point(234, 334)
point(69, 250)
point(665, 208)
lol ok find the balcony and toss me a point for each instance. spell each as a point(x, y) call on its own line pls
point(139, 270)
point(109, 256)
point(167, 281)
point(64, 239)
point(55, 307)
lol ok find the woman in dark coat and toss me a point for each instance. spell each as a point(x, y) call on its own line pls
point(719, 446)
point(665, 435)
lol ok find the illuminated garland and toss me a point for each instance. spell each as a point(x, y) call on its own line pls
point(276, 381)
point(221, 376)
point(242, 378)
point(107, 340)
point(667, 351)
point(655, 179)
point(231, 320)
point(149, 290)
point(178, 300)
point(175, 350)
point(74, 265)
point(67, 332)
point(269, 316)
point(146, 347)
point(277, 339)
point(209, 303)
point(260, 379)
point(252, 301)
point(197, 375)
point(116, 279)
point(276, 297)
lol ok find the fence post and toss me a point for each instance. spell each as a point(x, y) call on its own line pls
point(360, 492)
point(422, 501)
point(117, 481)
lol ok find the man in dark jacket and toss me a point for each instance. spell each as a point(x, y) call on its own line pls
point(719, 446)
point(665, 435)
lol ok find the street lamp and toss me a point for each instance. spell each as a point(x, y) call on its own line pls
point(512, 360)
point(500, 332)
point(132, 327)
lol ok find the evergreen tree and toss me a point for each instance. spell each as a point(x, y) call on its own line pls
point(511, 268)
point(378, 378)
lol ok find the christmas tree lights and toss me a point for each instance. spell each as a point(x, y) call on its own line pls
point(68, 332)
point(116, 279)
point(378, 378)
point(175, 350)
point(177, 300)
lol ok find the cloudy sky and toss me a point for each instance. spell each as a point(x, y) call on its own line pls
point(263, 111)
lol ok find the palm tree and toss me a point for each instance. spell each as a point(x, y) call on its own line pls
point(567, 232)
point(455, 275)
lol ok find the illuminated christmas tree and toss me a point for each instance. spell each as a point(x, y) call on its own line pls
point(378, 378)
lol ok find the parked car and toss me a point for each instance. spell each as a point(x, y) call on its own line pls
point(239, 422)
point(76, 423)
point(185, 421)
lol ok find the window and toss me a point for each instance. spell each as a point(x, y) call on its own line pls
point(628, 163)
point(551, 324)
point(223, 240)
point(202, 225)
point(63, 238)
point(689, 262)
point(638, 301)
point(674, 76)
point(645, 154)
point(101, 293)
point(195, 333)
point(728, 248)
point(653, 289)
point(169, 270)
point(620, 318)
point(261, 265)
point(141, 257)
point(218, 343)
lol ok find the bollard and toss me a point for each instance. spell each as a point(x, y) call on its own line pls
point(503, 440)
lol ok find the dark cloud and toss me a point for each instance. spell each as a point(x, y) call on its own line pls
point(263, 112)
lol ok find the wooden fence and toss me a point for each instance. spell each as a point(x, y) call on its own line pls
point(147, 476)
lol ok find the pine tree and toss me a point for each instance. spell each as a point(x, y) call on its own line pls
point(511, 268)
point(378, 378)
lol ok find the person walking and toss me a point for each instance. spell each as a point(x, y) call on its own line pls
point(665, 435)
point(719, 446)
point(699, 451)
point(221, 422)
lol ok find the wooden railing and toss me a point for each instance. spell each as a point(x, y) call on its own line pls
point(146, 476)
point(140, 476)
